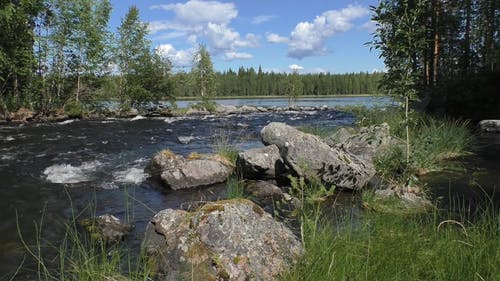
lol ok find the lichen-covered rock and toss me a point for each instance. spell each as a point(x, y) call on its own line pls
point(107, 228)
point(313, 159)
point(225, 240)
point(365, 143)
point(196, 170)
point(259, 163)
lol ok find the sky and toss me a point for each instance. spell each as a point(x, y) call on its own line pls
point(309, 36)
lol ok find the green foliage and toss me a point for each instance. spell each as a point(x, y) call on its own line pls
point(75, 110)
point(434, 140)
point(235, 188)
point(400, 247)
point(203, 75)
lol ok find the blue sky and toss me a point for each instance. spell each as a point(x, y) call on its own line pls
point(280, 35)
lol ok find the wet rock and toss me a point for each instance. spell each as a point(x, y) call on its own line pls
point(492, 126)
point(196, 170)
point(185, 139)
point(259, 163)
point(225, 240)
point(107, 228)
point(365, 143)
point(308, 156)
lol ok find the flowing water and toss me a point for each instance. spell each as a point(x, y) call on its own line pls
point(56, 170)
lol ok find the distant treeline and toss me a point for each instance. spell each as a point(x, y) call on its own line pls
point(249, 82)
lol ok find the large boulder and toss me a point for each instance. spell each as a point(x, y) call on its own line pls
point(259, 163)
point(196, 170)
point(225, 240)
point(313, 159)
point(365, 143)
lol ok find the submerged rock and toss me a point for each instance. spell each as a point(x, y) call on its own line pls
point(313, 159)
point(259, 163)
point(196, 170)
point(225, 240)
point(107, 228)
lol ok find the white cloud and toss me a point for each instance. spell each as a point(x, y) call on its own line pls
point(275, 38)
point(309, 38)
point(295, 67)
point(196, 12)
point(263, 18)
point(179, 58)
point(229, 56)
point(208, 21)
point(370, 26)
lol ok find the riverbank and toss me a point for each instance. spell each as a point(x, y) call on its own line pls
point(352, 221)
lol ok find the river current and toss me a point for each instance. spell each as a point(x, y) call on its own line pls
point(55, 171)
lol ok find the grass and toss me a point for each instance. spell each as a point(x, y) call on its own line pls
point(433, 141)
point(381, 246)
point(81, 256)
point(235, 188)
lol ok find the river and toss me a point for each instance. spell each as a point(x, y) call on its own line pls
point(56, 169)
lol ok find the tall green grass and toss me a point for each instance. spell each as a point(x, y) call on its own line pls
point(395, 247)
point(79, 255)
point(433, 141)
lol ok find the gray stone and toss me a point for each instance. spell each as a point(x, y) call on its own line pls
point(197, 170)
point(107, 228)
point(259, 163)
point(226, 240)
point(366, 143)
point(313, 159)
point(492, 126)
point(264, 192)
point(226, 109)
point(185, 139)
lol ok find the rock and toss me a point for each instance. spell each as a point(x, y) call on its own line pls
point(185, 139)
point(197, 111)
point(248, 109)
point(384, 193)
point(226, 109)
point(197, 170)
point(225, 240)
point(308, 156)
point(489, 126)
point(22, 114)
point(107, 228)
point(259, 163)
point(366, 143)
point(264, 192)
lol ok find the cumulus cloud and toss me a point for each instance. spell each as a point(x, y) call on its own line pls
point(275, 38)
point(208, 20)
point(199, 12)
point(309, 38)
point(295, 67)
point(229, 56)
point(263, 18)
point(179, 58)
point(370, 26)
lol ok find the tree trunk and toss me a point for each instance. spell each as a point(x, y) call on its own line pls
point(436, 10)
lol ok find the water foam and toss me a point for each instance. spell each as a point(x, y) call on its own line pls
point(138, 117)
point(67, 173)
point(67, 122)
point(131, 175)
